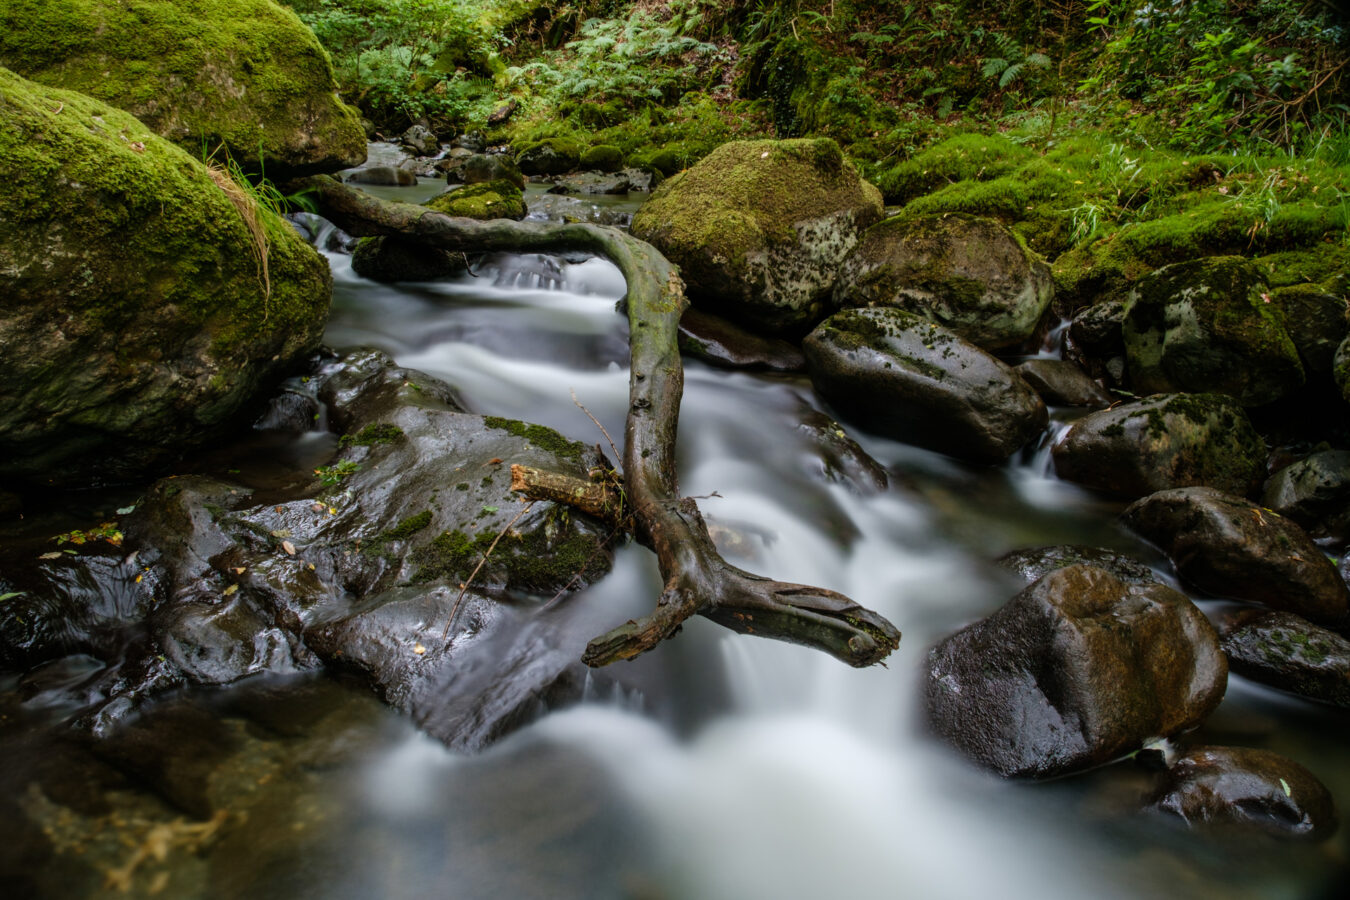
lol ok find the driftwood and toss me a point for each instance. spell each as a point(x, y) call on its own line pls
point(697, 579)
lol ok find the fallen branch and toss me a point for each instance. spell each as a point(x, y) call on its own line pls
point(697, 579)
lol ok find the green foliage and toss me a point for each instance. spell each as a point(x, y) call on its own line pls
point(106, 531)
point(334, 474)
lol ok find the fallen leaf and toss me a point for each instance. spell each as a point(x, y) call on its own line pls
point(419, 649)
point(231, 589)
point(288, 547)
point(496, 460)
point(55, 554)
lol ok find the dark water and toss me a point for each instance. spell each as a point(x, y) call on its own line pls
point(760, 770)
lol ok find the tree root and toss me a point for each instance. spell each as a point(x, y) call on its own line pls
point(697, 579)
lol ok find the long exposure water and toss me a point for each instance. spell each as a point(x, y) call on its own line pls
point(748, 768)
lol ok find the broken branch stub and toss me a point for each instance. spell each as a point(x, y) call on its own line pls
point(697, 579)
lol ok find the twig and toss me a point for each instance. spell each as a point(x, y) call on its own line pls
point(617, 454)
point(493, 546)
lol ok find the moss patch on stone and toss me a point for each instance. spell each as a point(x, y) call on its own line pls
point(372, 434)
point(499, 199)
point(541, 436)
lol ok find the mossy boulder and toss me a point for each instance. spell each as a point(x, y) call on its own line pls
point(899, 375)
point(1078, 669)
point(1230, 547)
point(500, 199)
point(242, 75)
point(602, 158)
point(483, 167)
point(1290, 653)
point(1172, 440)
point(967, 273)
point(1316, 320)
point(1209, 325)
point(135, 312)
point(759, 229)
point(552, 156)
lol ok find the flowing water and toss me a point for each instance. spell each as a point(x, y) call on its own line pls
point(748, 768)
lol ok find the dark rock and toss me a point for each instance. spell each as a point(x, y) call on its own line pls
point(1287, 652)
point(1099, 330)
point(549, 157)
point(899, 375)
point(721, 343)
point(1230, 547)
point(385, 175)
point(1209, 326)
point(591, 183)
point(642, 180)
point(420, 140)
point(1033, 564)
point(482, 168)
point(391, 259)
point(290, 412)
point(840, 457)
point(501, 114)
point(221, 642)
point(474, 142)
point(1340, 369)
point(1075, 671)
point(1316, 321)
point(1061, 383)
point(759, 228)
point(969, 274)
point(1314, 492)
point(1173, 440)
point(1254, 790)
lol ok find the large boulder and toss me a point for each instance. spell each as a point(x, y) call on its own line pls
point(1076, 670)
point(136, 312)
point(1209, 325)
point(1315, 493)
point(902, 376)
point(1317, 322)
point(759, 229)
point(1290, 653)
point(970, 274)
point(1173, 440)
point(242, 75)
point(1231, 547)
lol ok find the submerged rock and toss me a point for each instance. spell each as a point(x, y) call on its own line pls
point(1292, 654)
point(136, 316)
point(242, 79)
point(1173, 440)
point(1033, 564)
point(1314, 492)
point(969, 274)
point(759, 228)
point(1230, 547)
point(1209, 326)
point(899, 375)
point(1238, 787)
point(1075, 671)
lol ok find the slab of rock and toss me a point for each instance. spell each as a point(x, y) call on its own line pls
point(721, 343)
point(1061, 383)
point(1292, 654)
point(759, 229)
point(1230, 547)
point(1172, 440)
point(1034, 563)
point(899, 375)
point(1252, 790)
point(1314, 492)
point(243, 78)
point(1075, 671)
point(136, 318)
point(967, 273)
point(1209, 325)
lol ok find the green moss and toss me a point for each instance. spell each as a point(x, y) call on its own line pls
point(542, 437)
point(372, 434)
point(604, 157)
point(962, 158)
point(532, 561)
point(498, 199)
point(243, 74)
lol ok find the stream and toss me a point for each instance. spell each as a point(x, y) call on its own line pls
point(741, 768)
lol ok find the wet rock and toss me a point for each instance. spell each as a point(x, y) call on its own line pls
point(242, 79)
point(1230, 547)
point(217, 643)
point(591, 183)
point(1292, 654)
point(420, 141)
point(759, 228)
point(1099, 330)
point(1173, 440)
point(840, 457)
point(1061, 383)
point(1209, 325)
point(1253, 790)
point(642, 180)
point(553, 156)
point(392, 259)
point(969, 274)
point(481, 168)
point(290, 412)
point(138, 333)
point(1034, 563)
point(384, 175)
point(500, 199)
point(1317, 322)
point(559, 208)
point(721, 343)
point(899, 375)
point(1314, 492)
point(1076, 670)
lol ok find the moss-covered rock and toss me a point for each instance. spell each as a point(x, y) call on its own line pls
point(602, 158)
point(484, 167)
point(135, 312)
point(551, 156)
point(1209, 325)
point(1172, 440)
point(759, 229)
point(967, 273)
point(1316, 320)
point(499, 199)
point(244, 75)
point(1290, 653)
